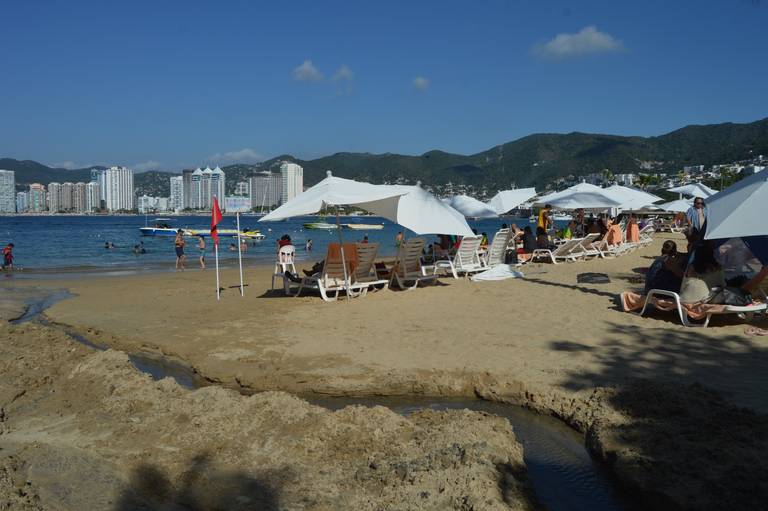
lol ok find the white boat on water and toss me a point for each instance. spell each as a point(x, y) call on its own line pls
point(160, 227)
point(320, 226)
point(363, 227)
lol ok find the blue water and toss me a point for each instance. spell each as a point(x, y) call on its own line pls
point(50, 243)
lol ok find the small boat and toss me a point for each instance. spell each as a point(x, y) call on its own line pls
point(320, 226)
point(363, 227)
point(252, 234)
point(161, 227)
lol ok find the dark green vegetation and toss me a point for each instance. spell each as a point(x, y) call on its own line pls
point(529, 161)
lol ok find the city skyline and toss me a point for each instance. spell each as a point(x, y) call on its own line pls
point(397, 78)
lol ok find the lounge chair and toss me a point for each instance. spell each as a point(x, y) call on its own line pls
point(564, 252)
point(331, 278)
point(708, 310)
point(498, 249)
point(585, 248)
point(645, 235)
point(467, 260)
point(408, 267)
point(365, 276)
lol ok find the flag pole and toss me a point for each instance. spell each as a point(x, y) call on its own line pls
point(240, 254)
point(216, 251)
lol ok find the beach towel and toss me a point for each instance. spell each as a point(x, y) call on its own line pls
point(350, 255)
point(633, 302)
point(613, 236)
point(498, 272)
point(633, 233)
point(592, 278)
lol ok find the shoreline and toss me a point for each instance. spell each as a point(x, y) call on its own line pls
point(263, 357)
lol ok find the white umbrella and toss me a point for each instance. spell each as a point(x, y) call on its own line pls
point(632, 198)
point(470, 207)
point(418, 210)
point(740, 210)
point(581, 196)
point(507, 200)
point(677, 206)
point(694, 190)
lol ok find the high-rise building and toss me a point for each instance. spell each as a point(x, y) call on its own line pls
point(145, 204)
point(66, 196)
point(177, 199)
point(100, 176)
point(196, 195)
point(54, 197)
point(293, 180)
point(266, 190)
point(119, 189)
point(37, 198)
point(7, 191)
point(92, 197)
point(22, 202)
point(78, 198)
point(217, 185)
point(187, 188)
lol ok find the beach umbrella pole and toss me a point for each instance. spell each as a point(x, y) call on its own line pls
point(240, 255)
point(341, 246)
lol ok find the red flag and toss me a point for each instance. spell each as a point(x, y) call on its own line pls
point(215, 219)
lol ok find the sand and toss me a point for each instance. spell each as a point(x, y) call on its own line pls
point(545, 341)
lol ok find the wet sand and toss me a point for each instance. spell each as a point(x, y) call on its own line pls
point(546, 341)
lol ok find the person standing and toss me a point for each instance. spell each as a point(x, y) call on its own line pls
point(201, 251)
point(545, 220)
point(399, 239)
point(697, 222)
point(8, 257)
point(308, 245)
point(179, 245)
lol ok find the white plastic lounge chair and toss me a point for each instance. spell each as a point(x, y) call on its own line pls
point(330, 280)
point(498, 249)
point(729, 309)
point(408, 267)
point(284, 262)
point(585, 248)
point(645, 235)
point(467, 260)
point(365, 273)
point(564, 252)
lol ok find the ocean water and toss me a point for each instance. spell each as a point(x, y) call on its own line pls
point(76, 243)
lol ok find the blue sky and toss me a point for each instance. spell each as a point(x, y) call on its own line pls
point(176, 84)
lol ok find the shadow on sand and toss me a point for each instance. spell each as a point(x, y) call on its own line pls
point(200, 487)
point(682, 443)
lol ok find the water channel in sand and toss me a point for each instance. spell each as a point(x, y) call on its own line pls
point(561, 471)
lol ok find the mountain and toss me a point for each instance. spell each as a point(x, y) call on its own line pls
point(529, 161)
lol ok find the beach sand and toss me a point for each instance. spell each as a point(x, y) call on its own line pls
point(635, 386)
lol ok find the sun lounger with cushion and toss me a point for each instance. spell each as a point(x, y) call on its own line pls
point(669, 301)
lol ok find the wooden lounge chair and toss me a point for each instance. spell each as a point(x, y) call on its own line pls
point(408, 271)
point(498, 249)
point(678, 305)
point(565, 252)
point(331, 279)
point(365, 276)
point(467, 260)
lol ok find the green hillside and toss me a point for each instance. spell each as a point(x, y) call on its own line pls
point(530, 161)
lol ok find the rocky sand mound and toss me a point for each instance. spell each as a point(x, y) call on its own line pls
point(85, 430)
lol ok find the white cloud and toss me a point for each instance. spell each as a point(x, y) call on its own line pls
point(421, 83)
point(145, 166)
point(587, 40)
point(343, 74)
point(242, 156)
point(307, 72)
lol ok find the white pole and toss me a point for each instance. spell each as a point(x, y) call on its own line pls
point(343, 259)
point(218, 287)
point(240, 255)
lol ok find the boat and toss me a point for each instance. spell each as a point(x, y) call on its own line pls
point(320, 226)
point(363, 227)
point(161, 227)
point(252, 234)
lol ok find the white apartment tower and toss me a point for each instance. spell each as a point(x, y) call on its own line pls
point(7, 191)
point(78, 198)
point(92, 196)
point(195, 183)
point(176, 202)
point(266, 190)
point(118, 195)
point(293, 180)
point(37, 197)
point(217, 186)
point(54, 197)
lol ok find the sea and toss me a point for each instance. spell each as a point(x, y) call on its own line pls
point(75, 244)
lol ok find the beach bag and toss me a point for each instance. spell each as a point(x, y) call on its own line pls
point(731, 296)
